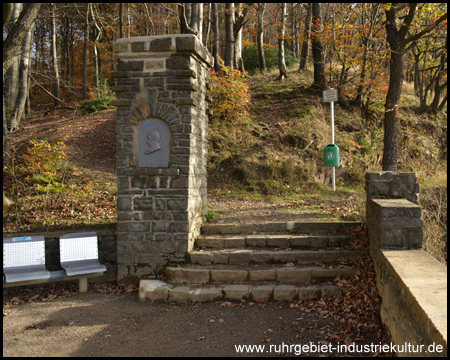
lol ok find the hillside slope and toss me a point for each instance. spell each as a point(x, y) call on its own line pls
point(271, 166)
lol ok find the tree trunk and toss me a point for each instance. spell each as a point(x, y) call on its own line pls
point(11, 87)
point(54, 57)
point(128, 21)
point(185, 12)
point(238, 22)
point(121, 20)
point(229, 36)
point(238, 62)
point(294, 27)
point(15, 36)
point(208, 27)
point(281, 61)
point(85, 51)
point(67, 51)
point(260, 37)
point(188, 13)
point(305, 44)
point(23, 80)
point(197, 20)
point(96, 67)
point(391, 108)
point(438, 87)
point(397, 39)
point(98, 34)
point(217, 66)
point(317, 48)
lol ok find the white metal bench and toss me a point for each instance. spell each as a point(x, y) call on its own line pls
point(24, 260)
point(79, 255)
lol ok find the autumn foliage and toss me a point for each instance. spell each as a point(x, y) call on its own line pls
point(231, 96)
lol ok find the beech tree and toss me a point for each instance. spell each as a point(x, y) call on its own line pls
point(307, 38)
point(16, 33)
point(399, 18)
point(19, 106)
point(229, 34)
point(217, 66)
point(54, 56)
point(85, 50)
point(238, 23)
point(282, 29)
point(317, 48)
point(260, 36)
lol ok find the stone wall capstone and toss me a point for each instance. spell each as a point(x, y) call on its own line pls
point(162, 129)
point(394, 217)
point(412, 284)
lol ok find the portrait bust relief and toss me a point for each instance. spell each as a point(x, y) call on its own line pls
point(154, 139)
point(153, 142)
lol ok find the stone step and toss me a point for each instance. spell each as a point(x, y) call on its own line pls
point(272, 240)
point(247, 256)
point(156, 290)
point(294, 227)
point(195, 274)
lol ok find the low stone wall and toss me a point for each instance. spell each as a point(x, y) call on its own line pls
point(412, 284)
point(107, 237)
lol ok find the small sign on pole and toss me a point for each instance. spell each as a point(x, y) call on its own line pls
point(331, 96)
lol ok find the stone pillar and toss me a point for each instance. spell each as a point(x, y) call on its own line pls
point(394, 217)
point(162, 129)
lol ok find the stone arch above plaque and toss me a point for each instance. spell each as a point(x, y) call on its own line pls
point(154, 139)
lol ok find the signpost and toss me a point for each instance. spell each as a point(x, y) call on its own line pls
point(331, 96)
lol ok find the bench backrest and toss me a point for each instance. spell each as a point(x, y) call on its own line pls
point(23, 251)
point(24, 259)
point(78, 247)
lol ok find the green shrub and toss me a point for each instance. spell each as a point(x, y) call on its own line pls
point(251, 58)
point(102, 97)
point(45, 166)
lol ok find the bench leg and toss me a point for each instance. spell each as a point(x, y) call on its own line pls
point(83, 285)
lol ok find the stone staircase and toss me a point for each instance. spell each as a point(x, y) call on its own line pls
point(274, 261)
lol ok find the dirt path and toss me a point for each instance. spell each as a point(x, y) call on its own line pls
point(95, 324)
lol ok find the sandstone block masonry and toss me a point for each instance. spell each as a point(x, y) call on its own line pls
point(162, 128)
point(394, 217)
point(412, 284)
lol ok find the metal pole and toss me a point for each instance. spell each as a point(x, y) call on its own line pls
point(332, 122)
point(332, 141)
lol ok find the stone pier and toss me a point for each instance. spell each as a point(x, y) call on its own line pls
point(162, 128)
